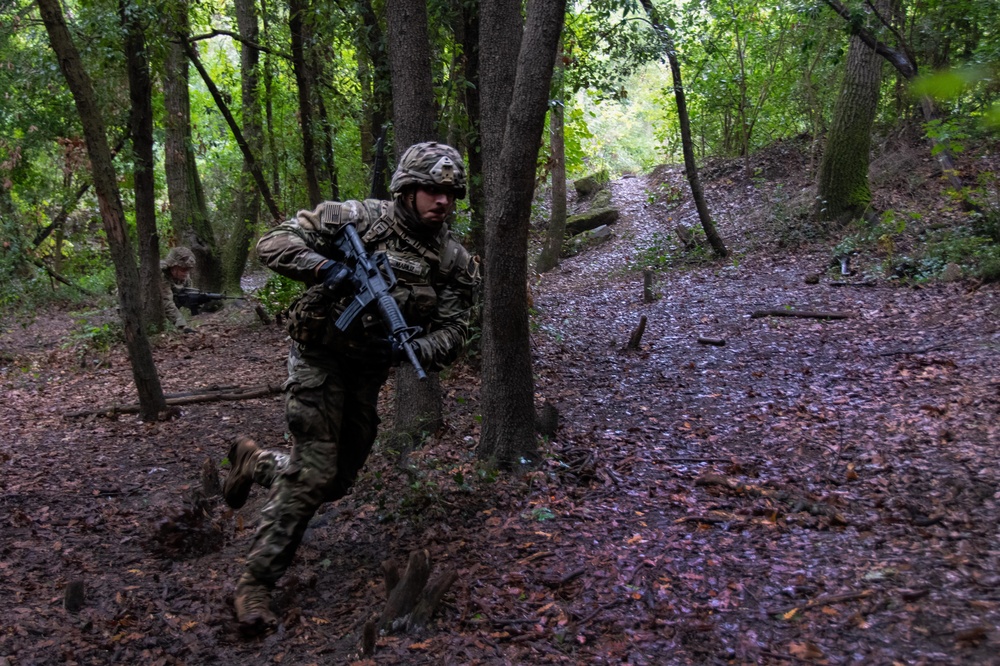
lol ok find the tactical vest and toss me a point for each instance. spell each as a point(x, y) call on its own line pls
point(419, 271)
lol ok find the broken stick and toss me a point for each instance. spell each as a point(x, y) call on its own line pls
point(805, 314)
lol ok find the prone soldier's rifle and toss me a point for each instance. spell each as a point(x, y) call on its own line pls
point(193, 299)
point(377, 281)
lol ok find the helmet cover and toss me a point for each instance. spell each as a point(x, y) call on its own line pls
point(430, 164)
point(180, 256)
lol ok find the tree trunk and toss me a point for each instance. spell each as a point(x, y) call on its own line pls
point(843, 193)
point(300, 33)
point(413, 111)
point(904, 63)
point(690, 166)
point(248, 197)
point(508, 433)
point(141, 127)
point(188, 209)
point(549, 258)
point(269, 111)
point(376, 100)
point(328, 163)
point(418, 404)
point(147, 382)
point(477, 202)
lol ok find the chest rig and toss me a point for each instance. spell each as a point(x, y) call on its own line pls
point(419, 269)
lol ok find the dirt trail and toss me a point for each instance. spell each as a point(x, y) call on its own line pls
point(808, 492)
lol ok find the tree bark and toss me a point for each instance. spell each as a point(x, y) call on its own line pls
point(508, 433)
point(140, 355)
point(690, 165)
point(141, 127)
point(300, 34)
point(188, 210)
point(843, 192)
point(375, 86)
point(549, 257)
point(413, 111)
point(248, 198)
point(477, 201)
point(417, 404)
point(905, 64)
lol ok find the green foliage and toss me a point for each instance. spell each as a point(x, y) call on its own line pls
point(664, 252)
point(278, 293)
point(95, 331)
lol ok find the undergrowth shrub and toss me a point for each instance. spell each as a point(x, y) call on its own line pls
point(278, 293)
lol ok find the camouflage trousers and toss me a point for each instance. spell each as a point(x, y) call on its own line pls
point(330, 410)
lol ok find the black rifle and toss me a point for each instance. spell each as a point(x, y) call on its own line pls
point(377, 281)
point(193, 299)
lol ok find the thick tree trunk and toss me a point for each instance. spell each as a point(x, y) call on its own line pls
point(141, 127)
point(508, 434)
point(843, 192)
point(413, 112)
point(140, 355)
point(902, 60)
point(549, 258)
point(690, 165)
point(418, 404)
point(188, 209)
point(300, 32)
point(248, 197)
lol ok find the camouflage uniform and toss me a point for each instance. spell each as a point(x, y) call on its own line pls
point(184, 258)
point(334, 377)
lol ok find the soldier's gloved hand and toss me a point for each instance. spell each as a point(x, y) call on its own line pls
point(338, 278)
point(387, 351)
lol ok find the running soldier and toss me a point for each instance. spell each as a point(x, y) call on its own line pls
point(334, 377)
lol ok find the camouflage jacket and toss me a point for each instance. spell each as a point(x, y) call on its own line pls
point(168, 286)
point(436, 278)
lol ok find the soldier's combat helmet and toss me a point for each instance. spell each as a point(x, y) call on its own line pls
point(179, 256)
point(430, 164)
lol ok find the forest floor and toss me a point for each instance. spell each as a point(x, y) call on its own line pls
point(813, 491)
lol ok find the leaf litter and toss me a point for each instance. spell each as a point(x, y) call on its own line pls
point(810, 492)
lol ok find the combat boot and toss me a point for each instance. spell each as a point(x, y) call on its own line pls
point(253, 606)
point(242, 456)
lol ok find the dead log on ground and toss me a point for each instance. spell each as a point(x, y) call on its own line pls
point(188, 399)
point(715, 342)
point(805, 314)
point(796, 501)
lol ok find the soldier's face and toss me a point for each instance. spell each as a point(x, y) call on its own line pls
point(433, 205)
point(179, 273)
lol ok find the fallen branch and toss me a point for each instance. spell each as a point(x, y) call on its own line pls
point(187, 399)
point(842, 283)
point(805, 314)
point(797, 502)
point(790, 611)
point(715, 342)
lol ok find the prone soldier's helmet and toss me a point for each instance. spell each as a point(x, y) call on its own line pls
point(179, 256)
point(430, 164)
